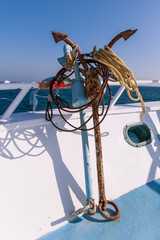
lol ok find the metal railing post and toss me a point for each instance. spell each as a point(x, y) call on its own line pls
point(15, 103)
point(117, 96)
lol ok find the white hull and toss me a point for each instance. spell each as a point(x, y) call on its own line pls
point(42, 174)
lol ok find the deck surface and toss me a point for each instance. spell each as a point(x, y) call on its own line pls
point(140, 219)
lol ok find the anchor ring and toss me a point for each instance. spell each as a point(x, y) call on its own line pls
point(107, 216)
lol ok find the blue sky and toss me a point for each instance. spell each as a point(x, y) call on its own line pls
point(29, 53)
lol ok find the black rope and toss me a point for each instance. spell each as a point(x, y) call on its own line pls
point(63, 105)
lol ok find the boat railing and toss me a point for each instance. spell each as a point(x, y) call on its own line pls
point(142, 83)
point(25, 87)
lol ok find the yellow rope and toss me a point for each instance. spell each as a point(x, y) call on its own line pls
point(122, 73)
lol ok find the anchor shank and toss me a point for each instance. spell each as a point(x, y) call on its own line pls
point(98, 145)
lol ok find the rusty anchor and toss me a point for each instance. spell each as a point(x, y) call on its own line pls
point(95, 104)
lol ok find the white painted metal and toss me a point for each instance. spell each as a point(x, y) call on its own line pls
point(117, 96)
point(20, 85)
point(144, 83)
point(25, 87)
point(15, 103)
point(41, 168)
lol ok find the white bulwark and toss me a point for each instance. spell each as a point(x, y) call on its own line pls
point(41, 168)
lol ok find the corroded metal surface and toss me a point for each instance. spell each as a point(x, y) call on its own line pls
point(100, 173)
point(94, 92)
point(93, 85)
point(62, 36)
point(126, 34)
point(98, 146)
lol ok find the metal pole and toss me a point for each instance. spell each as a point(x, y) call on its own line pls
point(117, 96)
point(87, 166)
point(78, 100)
point(15, 103)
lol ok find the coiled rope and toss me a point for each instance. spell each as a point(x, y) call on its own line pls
point(122, 73)
point(63, 105)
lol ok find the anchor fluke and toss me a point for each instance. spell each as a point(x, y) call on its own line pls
point(58, 36)
point(126, 34)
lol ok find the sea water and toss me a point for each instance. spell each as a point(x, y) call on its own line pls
point(7, 96)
